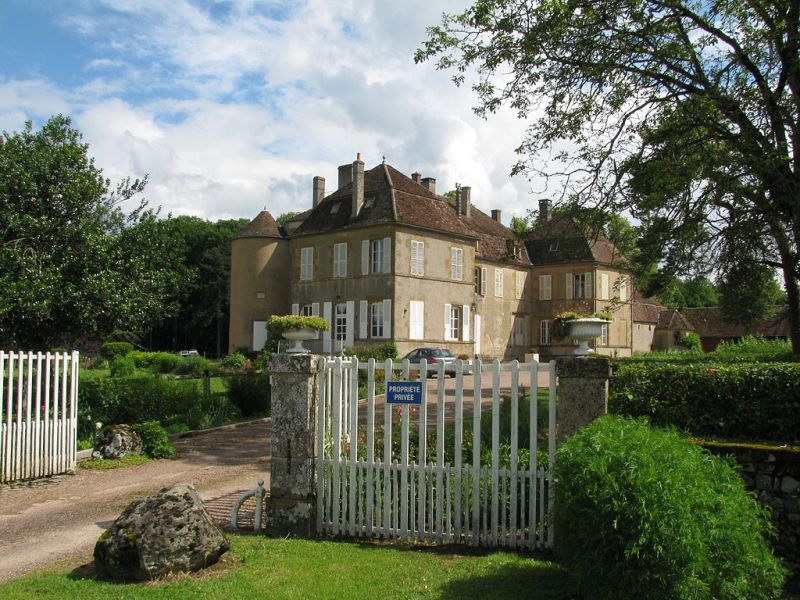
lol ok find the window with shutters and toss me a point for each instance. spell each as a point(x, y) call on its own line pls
point(417, 320)
point(455, 323)
point(604, 335)
point(623, 289)
point(580, 286)
point(545, 287)
point(456, 264)
point(376, 319)
point(340, 329)
point(307, 310)
point(417, 257)
point(520, 284)
point(376, 256)
point(498, 283)
point(604, 286)
point(476, 272)
point(340, 260)
point(519, 331)
point(306, 264)
point(544, 333)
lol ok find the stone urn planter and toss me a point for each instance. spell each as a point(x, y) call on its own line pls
point(583, 330)
point(297, 337)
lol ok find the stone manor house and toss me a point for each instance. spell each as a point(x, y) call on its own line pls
point(384, 258)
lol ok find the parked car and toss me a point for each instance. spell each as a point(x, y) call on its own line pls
point(433, 356)
point(187, 353)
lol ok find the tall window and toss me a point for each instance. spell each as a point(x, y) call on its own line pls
point(376, 256)
point(417, 257)
point(454, 328)
point(417, 320)
point(340, 260)
point(604, 289)
point(341, 322)
point(580, 286)
point(519, 331)
point(604, 335)
point(376, 320)
point(477, 273)
point(456, 263)
point(307, 310)
point(498, 283)
point(544, 333)
point(306, 264)
point(545, 287)
point(520, 284)
point(623, 289)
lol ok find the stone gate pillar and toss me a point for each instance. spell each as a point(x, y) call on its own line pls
point(295, 386)
point(582, 391)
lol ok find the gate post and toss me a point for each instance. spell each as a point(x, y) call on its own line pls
point(582, 391)
point(295, 387)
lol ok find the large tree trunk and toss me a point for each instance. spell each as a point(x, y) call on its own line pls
point(793, 297)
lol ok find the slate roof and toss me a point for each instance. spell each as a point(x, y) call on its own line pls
point(673, 320)
point(264, 225)
point(709, 322)
point(556, 242)
point(644, 309)
point(390, 197)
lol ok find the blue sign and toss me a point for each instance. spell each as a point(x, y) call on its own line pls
point(404, 392)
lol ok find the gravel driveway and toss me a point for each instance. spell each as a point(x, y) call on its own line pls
point(62, 517)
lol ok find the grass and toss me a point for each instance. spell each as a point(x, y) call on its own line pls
point(286, 569)
point(101, 464)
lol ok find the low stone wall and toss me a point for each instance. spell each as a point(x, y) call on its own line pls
point(773, 473)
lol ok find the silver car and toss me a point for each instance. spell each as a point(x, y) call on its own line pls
point(433, 356)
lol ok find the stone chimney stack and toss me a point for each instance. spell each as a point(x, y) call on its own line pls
point(358, 186)
point(319, 190)
point(345, 175)
point(429, 183)
point(465, 193)
point(544, 210)
point(497, 215)
point(417, 177)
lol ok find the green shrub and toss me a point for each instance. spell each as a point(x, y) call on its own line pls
point(111, 349)
point(691, 341)
point(753, 401)
point(755, 348)
point(164, 362)
point(193, 365)
point(143, 360)
point(380, 352)
point(250, 393)
point(122, 366)
point(155, 441)
point(641, 513)
point(98, 362)
point(234, 361)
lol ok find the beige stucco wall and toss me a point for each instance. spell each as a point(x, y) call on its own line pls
point(259, 285)
point(498, 314)
point(643, 337)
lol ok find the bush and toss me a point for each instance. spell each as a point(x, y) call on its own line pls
point(122, 366)
point(380, 352)
point(193, 365)
point(98, 362)
point(164, 362)
point(691, 341)
point(250, 393)
point(751, 401)
point(234, 361)
point(143, 360)
point(155, 441)
point(109, 350)
point(627, 527)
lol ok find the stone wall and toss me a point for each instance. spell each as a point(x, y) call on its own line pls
point(773, 473)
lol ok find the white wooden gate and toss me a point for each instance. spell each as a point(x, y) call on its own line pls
point(423, 472)
point(38, 414)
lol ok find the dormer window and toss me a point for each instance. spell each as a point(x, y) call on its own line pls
point(553, 246)
point(335, 208)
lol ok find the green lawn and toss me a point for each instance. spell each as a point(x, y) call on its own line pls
point(279, 568)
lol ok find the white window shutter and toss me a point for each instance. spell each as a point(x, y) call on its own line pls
point(363, 319)
point(416, 330)
point(350, 315)
point(477, 334)
point(484, 277)
point(315, 309)
point(387, 255)
point(447, 332)
point(365, 257)
point(465, 319)
point(569, 286)
point(295, 309)
point(589, 285)
point(387, 319)
point(326, 335)
point(623, 289)
point(604, 286)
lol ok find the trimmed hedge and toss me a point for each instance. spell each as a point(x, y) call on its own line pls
point(641, 513)
point(753, 401)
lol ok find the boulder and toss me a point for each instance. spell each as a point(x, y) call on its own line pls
point(116, 441)
point(168, 532)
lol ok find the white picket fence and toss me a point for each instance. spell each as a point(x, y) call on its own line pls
point(38, 414)
point(422, 486)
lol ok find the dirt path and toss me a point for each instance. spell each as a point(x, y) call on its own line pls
point(62, 517)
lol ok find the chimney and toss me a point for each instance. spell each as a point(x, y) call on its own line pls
point(430, 184)
point(544, 210)
point(417, 177)
point(465, 192)
point(496, 215)
point(358, 186)
point(319, 190)
point(345, 175)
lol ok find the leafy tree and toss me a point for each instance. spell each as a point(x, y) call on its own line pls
point(282, 218)
point(520, 226)
point(72, 263)
point(682, 111)
point(748, 292)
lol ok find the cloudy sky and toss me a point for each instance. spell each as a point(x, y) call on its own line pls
point(234, 106)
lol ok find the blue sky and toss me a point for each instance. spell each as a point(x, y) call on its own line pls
point(231, 107)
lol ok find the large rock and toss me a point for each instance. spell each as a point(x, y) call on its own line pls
point(115, 441)
point(164, 533)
